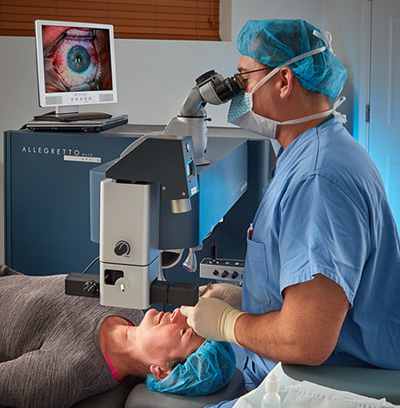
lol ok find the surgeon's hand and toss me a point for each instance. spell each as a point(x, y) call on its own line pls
point(227, 292)
point(213, 319)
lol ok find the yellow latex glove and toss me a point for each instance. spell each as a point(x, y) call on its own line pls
point(227, 292)
point(213, 319)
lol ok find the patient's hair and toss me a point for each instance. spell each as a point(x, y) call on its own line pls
point(173, 362)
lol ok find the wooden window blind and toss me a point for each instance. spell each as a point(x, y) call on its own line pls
point(141, 19)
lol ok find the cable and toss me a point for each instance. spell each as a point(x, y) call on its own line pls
point(91, 263)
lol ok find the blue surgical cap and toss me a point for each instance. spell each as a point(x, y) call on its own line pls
point(205, 371)
point(274, 42)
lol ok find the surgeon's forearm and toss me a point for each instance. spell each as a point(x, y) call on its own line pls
point(304, 331)
point(267, 336)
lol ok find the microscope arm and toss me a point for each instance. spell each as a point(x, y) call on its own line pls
point(210, 88)
point(191, 119)
point(193, 102)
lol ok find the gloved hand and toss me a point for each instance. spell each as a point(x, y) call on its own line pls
point(227, 292)
point(213, 319)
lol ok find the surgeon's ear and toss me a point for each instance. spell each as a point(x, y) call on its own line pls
point(287, 79)
point(158, 372)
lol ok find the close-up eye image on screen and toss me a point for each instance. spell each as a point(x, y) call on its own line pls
point(76, 59)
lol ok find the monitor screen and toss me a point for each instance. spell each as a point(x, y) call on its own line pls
point(75, 64)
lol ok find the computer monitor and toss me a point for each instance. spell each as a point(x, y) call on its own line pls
point(75, 66)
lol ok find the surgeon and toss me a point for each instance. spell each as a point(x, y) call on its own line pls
point(323, 258)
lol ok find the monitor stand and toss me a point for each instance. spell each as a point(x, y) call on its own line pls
point(71, 114)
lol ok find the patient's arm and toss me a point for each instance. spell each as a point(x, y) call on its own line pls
point(38, 379)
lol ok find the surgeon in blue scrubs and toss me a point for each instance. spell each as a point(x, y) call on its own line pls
point(322, 276)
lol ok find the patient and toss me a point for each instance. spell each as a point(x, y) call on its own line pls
point(56, 349)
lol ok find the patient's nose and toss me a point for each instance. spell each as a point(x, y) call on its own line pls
point(178, 317)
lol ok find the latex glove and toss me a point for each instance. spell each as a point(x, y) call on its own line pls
point(227, 292)
point(213, 319)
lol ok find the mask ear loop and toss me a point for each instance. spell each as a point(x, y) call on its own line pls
point(266, 78)
point(285, 64)
point(326, 38)
point(341, 117)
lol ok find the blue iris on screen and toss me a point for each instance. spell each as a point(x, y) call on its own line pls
point(78, 59)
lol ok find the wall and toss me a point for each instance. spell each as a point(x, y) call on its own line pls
point(154, 76)
point(349, 23)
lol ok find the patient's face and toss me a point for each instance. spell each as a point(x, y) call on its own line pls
point(165, 336)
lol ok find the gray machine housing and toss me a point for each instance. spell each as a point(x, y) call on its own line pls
point(220, 185)
point(155, 169)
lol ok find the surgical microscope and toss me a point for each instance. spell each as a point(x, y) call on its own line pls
point(192, 117)
point(154, 170)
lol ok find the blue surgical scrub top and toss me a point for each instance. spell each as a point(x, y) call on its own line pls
point(325, 211)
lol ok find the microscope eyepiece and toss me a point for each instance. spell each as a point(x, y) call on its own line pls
point(211, 87)
point(228, 88)
point(205, 76)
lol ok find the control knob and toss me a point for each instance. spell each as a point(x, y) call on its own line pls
point(122, 248)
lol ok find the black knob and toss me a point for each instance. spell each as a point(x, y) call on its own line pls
point(224, 274)
point(122, 248)
point(91, 288)
point(234, 275)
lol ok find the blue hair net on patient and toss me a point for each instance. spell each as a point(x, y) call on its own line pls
point(205, 371)
point(273, 42)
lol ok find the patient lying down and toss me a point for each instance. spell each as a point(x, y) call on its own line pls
point(56, 350)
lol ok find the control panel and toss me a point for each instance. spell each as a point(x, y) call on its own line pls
point(223, 270)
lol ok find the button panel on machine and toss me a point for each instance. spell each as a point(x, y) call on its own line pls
point(229, 270)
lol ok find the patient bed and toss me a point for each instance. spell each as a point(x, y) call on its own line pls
point(374, 383)
point(130, 394)
point(371, 382)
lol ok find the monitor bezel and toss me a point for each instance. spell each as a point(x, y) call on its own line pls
point(95, 95)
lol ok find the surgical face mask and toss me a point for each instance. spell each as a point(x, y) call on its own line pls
point(241, 113)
